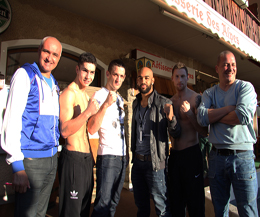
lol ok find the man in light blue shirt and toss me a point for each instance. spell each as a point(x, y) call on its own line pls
point(229, 108)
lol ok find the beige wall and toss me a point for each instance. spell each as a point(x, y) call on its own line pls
point(36, 19)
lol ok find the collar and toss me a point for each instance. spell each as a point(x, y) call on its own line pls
point(38, 72)
point(151, 98)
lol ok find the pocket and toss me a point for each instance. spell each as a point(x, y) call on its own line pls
point(28, 127)
point(109, 161)
point(249, 176)
point(247, 155)
point(245, 166)
point(44, 130)
point(73, 174)
point(212, 155)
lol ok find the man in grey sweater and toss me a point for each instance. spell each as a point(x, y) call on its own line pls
point(229, 108)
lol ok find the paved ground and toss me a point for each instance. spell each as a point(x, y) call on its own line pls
point(126, 207)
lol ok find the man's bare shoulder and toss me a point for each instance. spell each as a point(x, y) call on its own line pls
point(173, 98)
point(68, 94)
point(191, 93)
point(195, 98)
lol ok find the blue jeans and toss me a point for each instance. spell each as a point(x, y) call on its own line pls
point(110, 180)
point(145, 182)
point(238, 170)
point(41, 173)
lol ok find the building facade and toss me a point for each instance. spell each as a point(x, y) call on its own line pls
point(137, 28)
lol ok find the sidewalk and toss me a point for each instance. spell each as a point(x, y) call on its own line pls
point(126, 206)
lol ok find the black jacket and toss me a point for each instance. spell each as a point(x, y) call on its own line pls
point(159, 139)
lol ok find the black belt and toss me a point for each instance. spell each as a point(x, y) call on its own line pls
point(143, 157)
point(227, 152)
point(116, 156)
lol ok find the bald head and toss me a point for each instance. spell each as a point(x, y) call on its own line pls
point(49, 55)
point(226, 68)
point(53, 40)
point(146, 70)
point(223, 54)
point(145, 80)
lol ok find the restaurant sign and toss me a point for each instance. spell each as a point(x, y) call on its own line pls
point(5, 15)
point(203, 14)
point(163, 67)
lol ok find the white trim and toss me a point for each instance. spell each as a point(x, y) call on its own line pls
point(242, 3)
point(34, 43)
point(215, 23)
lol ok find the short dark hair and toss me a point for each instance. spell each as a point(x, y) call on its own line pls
point(180, 65)
point(116, 62)
point(87, 57)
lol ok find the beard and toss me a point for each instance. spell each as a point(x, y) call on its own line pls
point(181, 88)
point(144, 91)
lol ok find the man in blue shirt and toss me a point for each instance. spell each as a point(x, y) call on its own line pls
point(229, 108)
point(30, 133)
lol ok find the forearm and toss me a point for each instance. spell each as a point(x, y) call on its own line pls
point(12, 124)
point(95, 121)
point(174, 127)
point(215, 115)
point(231, 119)
point(70, 127)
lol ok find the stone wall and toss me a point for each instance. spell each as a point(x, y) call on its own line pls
point(130, 71)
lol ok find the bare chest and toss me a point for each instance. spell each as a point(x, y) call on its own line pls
point(180, 108)
point(81, 103)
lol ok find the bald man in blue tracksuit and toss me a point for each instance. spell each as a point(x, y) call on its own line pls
point(30, 133)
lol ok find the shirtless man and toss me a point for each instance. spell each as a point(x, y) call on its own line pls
point(185, 161)
point(75, 161)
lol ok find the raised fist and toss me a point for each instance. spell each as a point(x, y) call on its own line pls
point(111, 98)
point(168, 110)
point(93, 105)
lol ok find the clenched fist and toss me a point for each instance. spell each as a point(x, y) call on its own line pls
point(111, 98)
point(93, 105)
point(168, 110)
point(185, 107)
